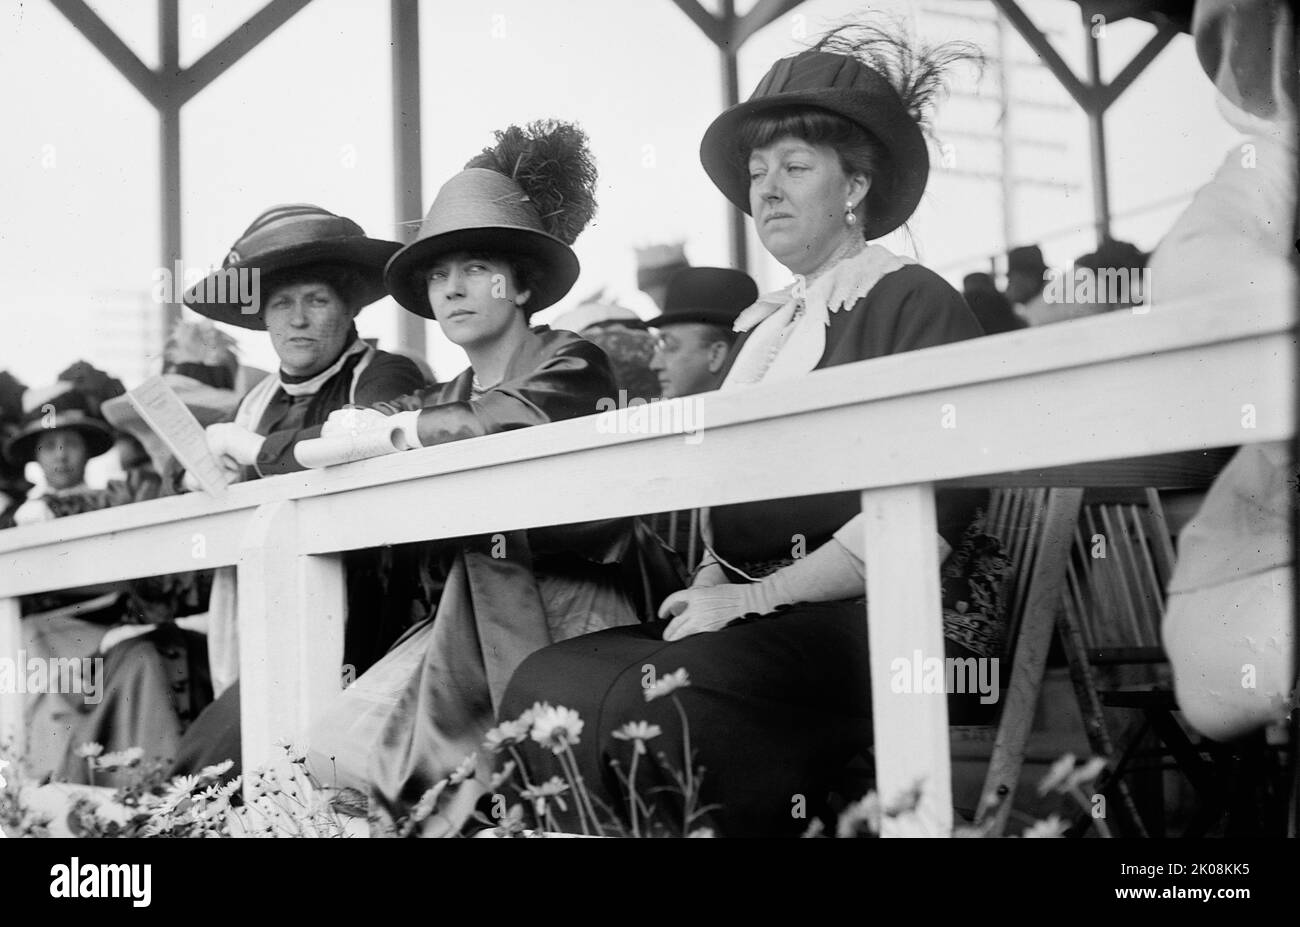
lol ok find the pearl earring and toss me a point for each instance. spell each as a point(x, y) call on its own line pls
point(849, 217)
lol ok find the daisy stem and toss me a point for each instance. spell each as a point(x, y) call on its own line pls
point(631, 788)
point(573, 784)
point(689, 794)
point(584, 795)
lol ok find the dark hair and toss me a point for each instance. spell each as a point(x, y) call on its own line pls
point(858, 149)
point(344, 279)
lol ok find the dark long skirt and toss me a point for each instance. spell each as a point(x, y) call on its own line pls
point(777, 709)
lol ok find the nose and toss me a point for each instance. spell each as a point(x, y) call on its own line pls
point(657, 360)
point(298, 314)
point(767, 188)
point(455, 283)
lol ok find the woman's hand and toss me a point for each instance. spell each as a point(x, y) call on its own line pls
point(226, 439)
point(710, 608)
point(352, 420)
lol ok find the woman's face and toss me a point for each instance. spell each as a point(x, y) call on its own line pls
point(309, 325)
point(474, 297)
point(61, 454)
point(798, 193)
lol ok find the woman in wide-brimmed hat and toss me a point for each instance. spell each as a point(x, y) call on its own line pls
point(301, 274)
point(826, 155)
point(495, 247)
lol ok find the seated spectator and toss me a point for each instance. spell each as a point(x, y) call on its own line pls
point(487, 257)
point(991, 308)
point(153, 680)
point(695, 329)
point(316, 271)
point(1026, 278)
point(1116, 275)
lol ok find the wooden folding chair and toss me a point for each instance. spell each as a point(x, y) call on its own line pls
point(1119, 568)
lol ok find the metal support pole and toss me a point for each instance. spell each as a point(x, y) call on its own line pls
point(1095, 106)
point(408, 191)
point(169, 149)
point(731, 96)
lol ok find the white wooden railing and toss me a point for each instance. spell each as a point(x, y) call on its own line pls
point(1024, 408)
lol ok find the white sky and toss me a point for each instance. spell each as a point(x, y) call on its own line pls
point(305, 117)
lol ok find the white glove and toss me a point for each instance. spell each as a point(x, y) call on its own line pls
point(226, 439)
point(353, 421)
point(32, 511)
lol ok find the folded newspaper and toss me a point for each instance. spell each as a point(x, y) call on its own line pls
point(167, 415)
point(345, 448)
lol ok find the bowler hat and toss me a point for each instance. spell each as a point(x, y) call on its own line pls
point(1027, 259)
point(846, 87)
point(480, 209)
point(282, 238)
point(712, 295)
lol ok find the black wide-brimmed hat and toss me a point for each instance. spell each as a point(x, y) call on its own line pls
point(481, 209)
point(713, 295)
point(59, 407)
point(282, 238)
point(846, 87)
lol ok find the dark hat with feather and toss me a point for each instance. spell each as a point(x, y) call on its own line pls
point(867, 74)
point(529, 196)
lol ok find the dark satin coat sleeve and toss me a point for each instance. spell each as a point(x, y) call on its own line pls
point(566, 384)
point(387, 376)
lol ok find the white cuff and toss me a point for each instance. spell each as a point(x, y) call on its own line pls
point(406, 432)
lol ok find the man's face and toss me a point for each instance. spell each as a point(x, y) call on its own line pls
point(309, 325)
point(687, 360)
point(61, 453)
point(474, 297)
point(1022, 286)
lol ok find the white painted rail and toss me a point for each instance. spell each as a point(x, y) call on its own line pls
point(1021, 408)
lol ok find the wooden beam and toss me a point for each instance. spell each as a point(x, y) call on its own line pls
point(762, 14)
point(905, 629)
point(291, 610)
point(239, 43)
point(118, 53)
point(1082, 94)
point(408, 181)
point(1165, 34)
point(706, 21)
point(12, 704)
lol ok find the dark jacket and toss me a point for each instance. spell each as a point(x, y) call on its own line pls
point(909, 309)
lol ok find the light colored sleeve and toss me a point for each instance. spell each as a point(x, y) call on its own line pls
point(852, 536)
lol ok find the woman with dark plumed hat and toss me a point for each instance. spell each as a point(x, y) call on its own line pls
point(827, 155)
point(494, 249)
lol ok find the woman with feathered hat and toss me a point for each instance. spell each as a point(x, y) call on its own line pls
point(494, 249)
point(826, 155)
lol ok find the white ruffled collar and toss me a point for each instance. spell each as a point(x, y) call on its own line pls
point(789, 325)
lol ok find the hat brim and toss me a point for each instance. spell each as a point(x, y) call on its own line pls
point(701, 316)
point(215, 298)
point(899, 183)
point(99, 437)
point(559, 262)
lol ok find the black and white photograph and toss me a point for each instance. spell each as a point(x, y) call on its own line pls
point(544, 419)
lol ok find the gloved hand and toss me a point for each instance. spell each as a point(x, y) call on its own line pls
point(353, 420)
point(828, 574)
point(226, 439)
point(710, 608)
